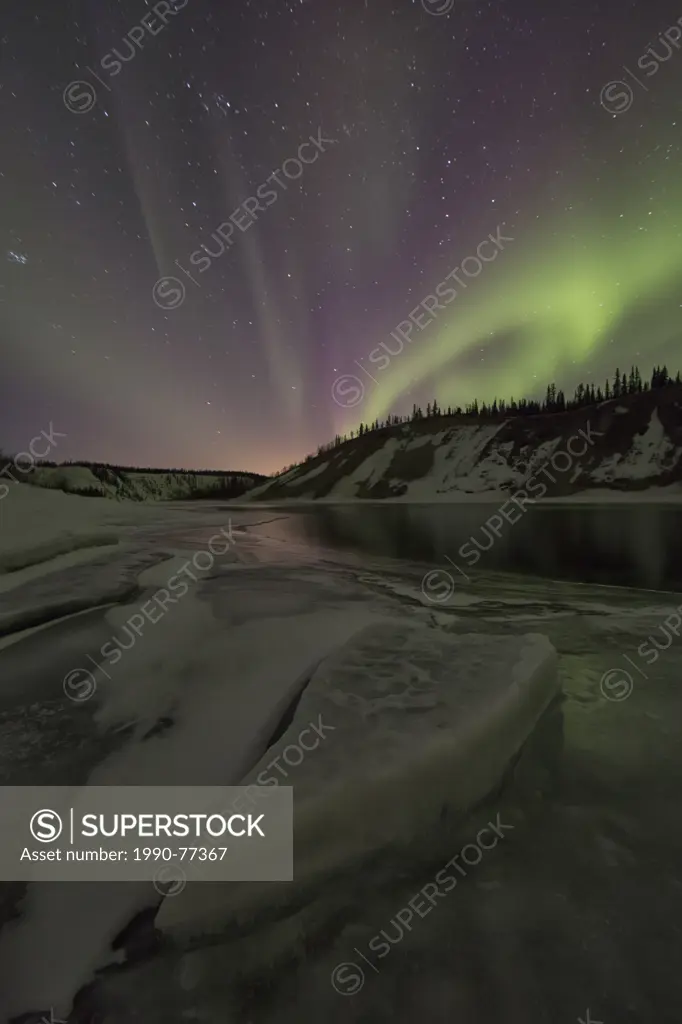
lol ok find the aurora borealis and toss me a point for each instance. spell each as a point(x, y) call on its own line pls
point(585, 292)
point(446, 128)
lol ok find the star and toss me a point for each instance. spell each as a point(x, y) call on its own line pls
point(335, 189)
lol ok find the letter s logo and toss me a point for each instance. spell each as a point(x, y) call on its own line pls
point(46, 826)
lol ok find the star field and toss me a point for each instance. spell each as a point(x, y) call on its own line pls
point(132, 131)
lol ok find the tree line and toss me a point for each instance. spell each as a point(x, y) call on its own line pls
point(555, 401)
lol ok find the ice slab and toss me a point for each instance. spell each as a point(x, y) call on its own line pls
point(409, 720)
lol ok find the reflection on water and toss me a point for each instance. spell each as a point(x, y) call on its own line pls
point(623, 545)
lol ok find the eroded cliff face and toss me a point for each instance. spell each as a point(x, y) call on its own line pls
point(134, 485)
point(629, 444)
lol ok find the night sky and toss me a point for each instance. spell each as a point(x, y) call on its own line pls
point(435, 128)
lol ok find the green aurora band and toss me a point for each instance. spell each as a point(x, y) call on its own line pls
point(552, 298)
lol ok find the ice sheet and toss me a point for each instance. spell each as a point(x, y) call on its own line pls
point(419, 720)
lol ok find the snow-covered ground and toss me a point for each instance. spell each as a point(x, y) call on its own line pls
point(36, 524)
point(429, 704)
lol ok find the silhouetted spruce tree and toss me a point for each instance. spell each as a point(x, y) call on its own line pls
point(554, 401)
point(660, 377)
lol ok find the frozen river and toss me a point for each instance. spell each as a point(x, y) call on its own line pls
point(577, 912)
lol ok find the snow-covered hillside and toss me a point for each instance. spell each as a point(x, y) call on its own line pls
point(134, 485)
point(623, 447)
